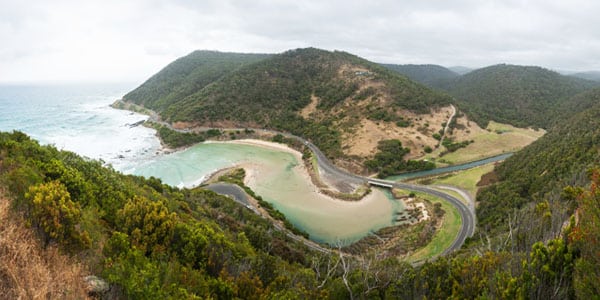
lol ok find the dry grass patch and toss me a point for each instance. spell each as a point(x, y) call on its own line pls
point(27, 271)
point(363, 140)
point(496, 139)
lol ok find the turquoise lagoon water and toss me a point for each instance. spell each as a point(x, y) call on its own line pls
point(276, 177)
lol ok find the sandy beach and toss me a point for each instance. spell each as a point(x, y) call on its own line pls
point(256, 171)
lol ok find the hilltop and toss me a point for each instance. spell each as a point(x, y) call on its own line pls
point(519, 95)
point(433, 76)
point(345, 104)
point(188, 74)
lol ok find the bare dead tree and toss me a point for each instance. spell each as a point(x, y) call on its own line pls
point(330, 267)
point(346, 268)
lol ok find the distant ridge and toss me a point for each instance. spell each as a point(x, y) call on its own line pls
point(460, 70)
point(589, 75)
point(434, 76)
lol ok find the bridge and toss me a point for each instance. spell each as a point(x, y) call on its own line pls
point(380, 184)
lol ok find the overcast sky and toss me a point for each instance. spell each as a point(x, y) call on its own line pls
point(129, 40)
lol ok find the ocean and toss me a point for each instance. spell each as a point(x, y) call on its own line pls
point(78, 118)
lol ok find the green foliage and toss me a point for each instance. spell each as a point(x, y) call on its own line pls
point(452, 146)
point(175, 139)
point(517, 95)
point(53, 212)
point(148, 223)
point(389, 160)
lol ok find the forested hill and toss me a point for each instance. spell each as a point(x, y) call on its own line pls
point(187, 75)
point(538, 173)
point(519, 95)
point(309, 92)
point(430, 75)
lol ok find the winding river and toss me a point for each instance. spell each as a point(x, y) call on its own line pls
point(449, 169)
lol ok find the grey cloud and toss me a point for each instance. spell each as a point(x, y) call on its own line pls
point(147, 34)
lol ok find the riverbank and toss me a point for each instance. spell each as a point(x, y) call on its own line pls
point(255, 171)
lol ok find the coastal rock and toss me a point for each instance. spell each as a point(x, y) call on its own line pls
point(96, 285)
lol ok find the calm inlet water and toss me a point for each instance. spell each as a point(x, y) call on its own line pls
point(79, 119)
point(276, 177)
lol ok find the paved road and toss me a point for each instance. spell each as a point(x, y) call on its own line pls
point(467, 215)
point(231, 190)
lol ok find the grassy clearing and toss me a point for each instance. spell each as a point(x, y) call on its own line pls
point(466, 179)
point(496, 139)
point(444, 237)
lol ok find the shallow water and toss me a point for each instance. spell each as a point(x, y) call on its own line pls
point(278, 179)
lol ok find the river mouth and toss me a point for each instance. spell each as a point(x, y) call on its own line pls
point(279, 177)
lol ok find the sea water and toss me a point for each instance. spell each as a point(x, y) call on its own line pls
point(79, 119)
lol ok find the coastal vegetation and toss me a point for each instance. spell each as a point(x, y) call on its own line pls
point(390, 160)
point(174, 139)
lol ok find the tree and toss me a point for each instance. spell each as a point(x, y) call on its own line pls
point(54, 214)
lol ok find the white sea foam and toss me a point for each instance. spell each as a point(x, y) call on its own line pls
point(79, 119)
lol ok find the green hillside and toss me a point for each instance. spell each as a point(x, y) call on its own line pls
point(518, 95)
point(538, 173)
point(433, 76)
point(187, 75)
point(272, 92)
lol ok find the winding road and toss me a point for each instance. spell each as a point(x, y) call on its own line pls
point(467, 215)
